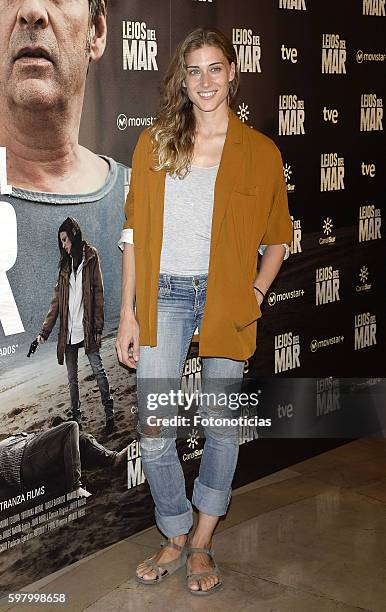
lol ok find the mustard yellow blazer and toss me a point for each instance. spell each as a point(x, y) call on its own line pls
point(250, 208)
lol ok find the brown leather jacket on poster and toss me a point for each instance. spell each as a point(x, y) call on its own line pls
point(250, 208)
point(93, 304)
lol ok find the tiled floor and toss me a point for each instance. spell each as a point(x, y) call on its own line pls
point(308, 538)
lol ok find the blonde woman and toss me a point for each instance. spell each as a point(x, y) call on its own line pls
point(206, 192)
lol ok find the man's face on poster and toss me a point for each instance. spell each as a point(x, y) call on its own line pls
point(45, 50)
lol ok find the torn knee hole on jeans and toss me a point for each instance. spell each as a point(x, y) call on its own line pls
point(151, 440)
point(151, 431)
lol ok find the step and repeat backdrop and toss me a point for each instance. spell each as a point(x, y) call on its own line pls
point(312, 79)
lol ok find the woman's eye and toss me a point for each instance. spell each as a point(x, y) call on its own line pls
point(193, 72)
point(216, 68)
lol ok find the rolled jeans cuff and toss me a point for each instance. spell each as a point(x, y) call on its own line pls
point(172, 526)
point(211, 501)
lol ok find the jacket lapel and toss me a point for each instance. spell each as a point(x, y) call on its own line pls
point(228, 171)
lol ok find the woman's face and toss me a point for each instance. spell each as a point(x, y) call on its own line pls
point(66, 242)
point(208, 74)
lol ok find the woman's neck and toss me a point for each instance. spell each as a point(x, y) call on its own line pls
point(213, 123)
point(210, 138)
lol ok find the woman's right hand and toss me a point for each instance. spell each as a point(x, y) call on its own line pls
point(40, 339)
point(127, 342)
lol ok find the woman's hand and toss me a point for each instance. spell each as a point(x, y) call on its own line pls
point(127, 342)
point(40, 339)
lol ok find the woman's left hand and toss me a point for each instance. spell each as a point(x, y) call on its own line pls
point(98, 340)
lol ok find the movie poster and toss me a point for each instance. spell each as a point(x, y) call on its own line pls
point(67, 408)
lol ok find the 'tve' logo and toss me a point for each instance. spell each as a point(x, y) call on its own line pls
point(289, 53)
point(368, 169)
point(9, 314)
point(330, 114)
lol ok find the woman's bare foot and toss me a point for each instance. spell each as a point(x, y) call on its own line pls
point(201, 562)
point(165, 555)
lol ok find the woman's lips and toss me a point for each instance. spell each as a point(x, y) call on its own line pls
point(207, 94)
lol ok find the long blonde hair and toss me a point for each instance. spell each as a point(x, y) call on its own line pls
point(174, 128)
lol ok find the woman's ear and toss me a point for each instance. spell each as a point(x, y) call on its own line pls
point(232, 72)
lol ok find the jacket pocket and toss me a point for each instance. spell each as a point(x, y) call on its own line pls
point(247, 190)
point(244, 209)
point(248, 311)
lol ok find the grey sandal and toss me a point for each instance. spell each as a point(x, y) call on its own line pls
point(196, 576)
point(165, 569)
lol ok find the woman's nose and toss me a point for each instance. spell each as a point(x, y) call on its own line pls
point(205, 78)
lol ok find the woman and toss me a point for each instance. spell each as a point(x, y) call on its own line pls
point(78, 301)
point(206, 192)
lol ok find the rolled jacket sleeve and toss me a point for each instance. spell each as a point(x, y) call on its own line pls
point(127, 235)
point(128, 232)
point(129, 205)
point(262, 248)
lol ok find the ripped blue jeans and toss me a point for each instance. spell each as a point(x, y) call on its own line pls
point(181, 301)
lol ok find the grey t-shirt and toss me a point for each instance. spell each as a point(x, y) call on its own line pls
point(188, 211)
point(34, 274)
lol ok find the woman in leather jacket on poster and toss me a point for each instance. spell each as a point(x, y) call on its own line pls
point(78, 301)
